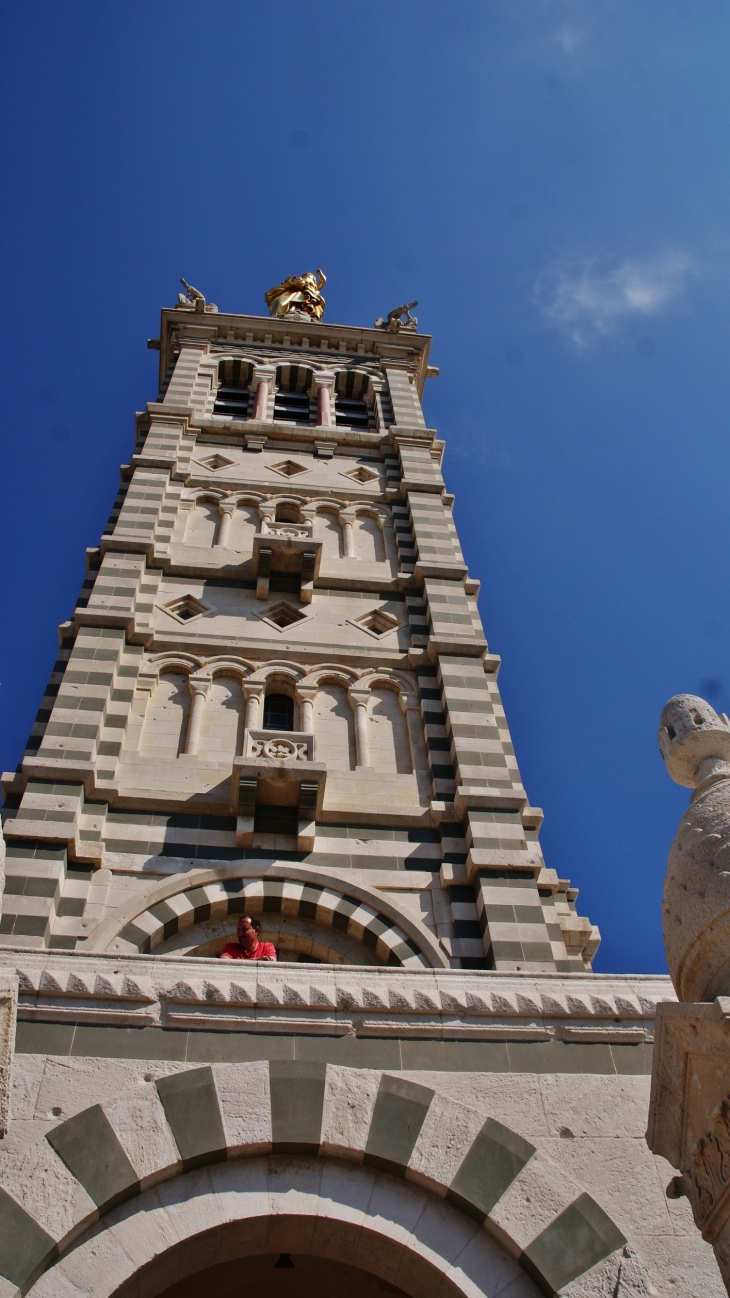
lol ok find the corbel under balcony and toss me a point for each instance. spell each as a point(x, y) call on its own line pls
point(276, 758)
point(286, 548)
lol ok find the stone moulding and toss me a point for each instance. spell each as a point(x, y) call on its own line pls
point(325, 1135)
point(344, 1000)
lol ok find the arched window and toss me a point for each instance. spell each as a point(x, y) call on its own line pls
point(291, 402)
point(233, 395)
point(351, 406)
point(287, 513)
point(278, 712)
point(202, 524)
point(291, 407)
point(351, 413)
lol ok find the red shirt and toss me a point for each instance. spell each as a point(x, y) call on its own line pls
point(260, 951)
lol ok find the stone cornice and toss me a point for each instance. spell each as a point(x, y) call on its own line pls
point(409, 349)
point(334, 1000)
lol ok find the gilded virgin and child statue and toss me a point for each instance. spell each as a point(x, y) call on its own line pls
point(300, 293)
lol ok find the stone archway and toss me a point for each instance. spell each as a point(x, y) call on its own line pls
point(355, 1166)
point(308, 1277)
point(364, 917)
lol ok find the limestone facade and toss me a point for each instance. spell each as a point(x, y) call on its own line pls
point(275, 697)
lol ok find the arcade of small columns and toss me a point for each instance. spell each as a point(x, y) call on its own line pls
point(321, 383)
point(290, 516)
point(274, 679)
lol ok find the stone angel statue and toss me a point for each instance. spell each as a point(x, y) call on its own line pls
point(399, 318)
point(193, 299)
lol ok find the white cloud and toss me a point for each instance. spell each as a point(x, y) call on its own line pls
point(594, 298)
point(570, 39)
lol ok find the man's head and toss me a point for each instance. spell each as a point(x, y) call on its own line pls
point(248, 930)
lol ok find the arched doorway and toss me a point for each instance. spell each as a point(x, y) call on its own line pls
point(212, 1167)
point(281, 1275)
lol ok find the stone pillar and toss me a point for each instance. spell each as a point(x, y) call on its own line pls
point(348, 535)
point(246, 812)
point(253, 693)
point(325, 385)
point(306, 694)
point(689, 1116)
point(199, 686)
point(306, 820)
point(264, 378)
point(411, 709)
point(359, 701)
point(263, 573)
point(267, 514)
point(227, 509)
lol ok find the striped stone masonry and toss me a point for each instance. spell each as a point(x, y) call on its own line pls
point(223, 1134)
point(404, 400)
point(91, 707)
point(481, 747)
point(45, 894)
point(147, 515)
point(437, 544)
point(420, 466)
point(166, 443)
point(455, 625)
point(275, 698)
point(181, 388)
point(121, 592)
point(129, 772)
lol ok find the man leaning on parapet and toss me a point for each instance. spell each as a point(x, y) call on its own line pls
point(248, 946)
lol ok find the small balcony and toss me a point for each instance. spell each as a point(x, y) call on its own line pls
point(286, 548)
point(278, 767)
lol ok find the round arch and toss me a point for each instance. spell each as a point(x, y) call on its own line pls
point(360, 913)
point(172, 662)
point(238, 1160)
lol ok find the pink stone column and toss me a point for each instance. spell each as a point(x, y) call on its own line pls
point(264, 376)
point(325, 384)
point(324, 406)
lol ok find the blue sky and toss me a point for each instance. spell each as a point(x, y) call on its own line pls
point(550, 180)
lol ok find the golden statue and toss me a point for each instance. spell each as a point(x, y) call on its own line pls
point(298, 293)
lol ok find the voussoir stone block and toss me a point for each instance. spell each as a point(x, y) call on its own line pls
point(297, 1106)
point(349, 1102)
point(192, 1109)
point(400, 1111)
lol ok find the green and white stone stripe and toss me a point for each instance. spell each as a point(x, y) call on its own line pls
point(194, 1118)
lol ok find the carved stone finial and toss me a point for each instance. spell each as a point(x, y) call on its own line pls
point(695, 744)
point(694, 741)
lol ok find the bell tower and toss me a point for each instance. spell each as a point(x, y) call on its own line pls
point(275, 694)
